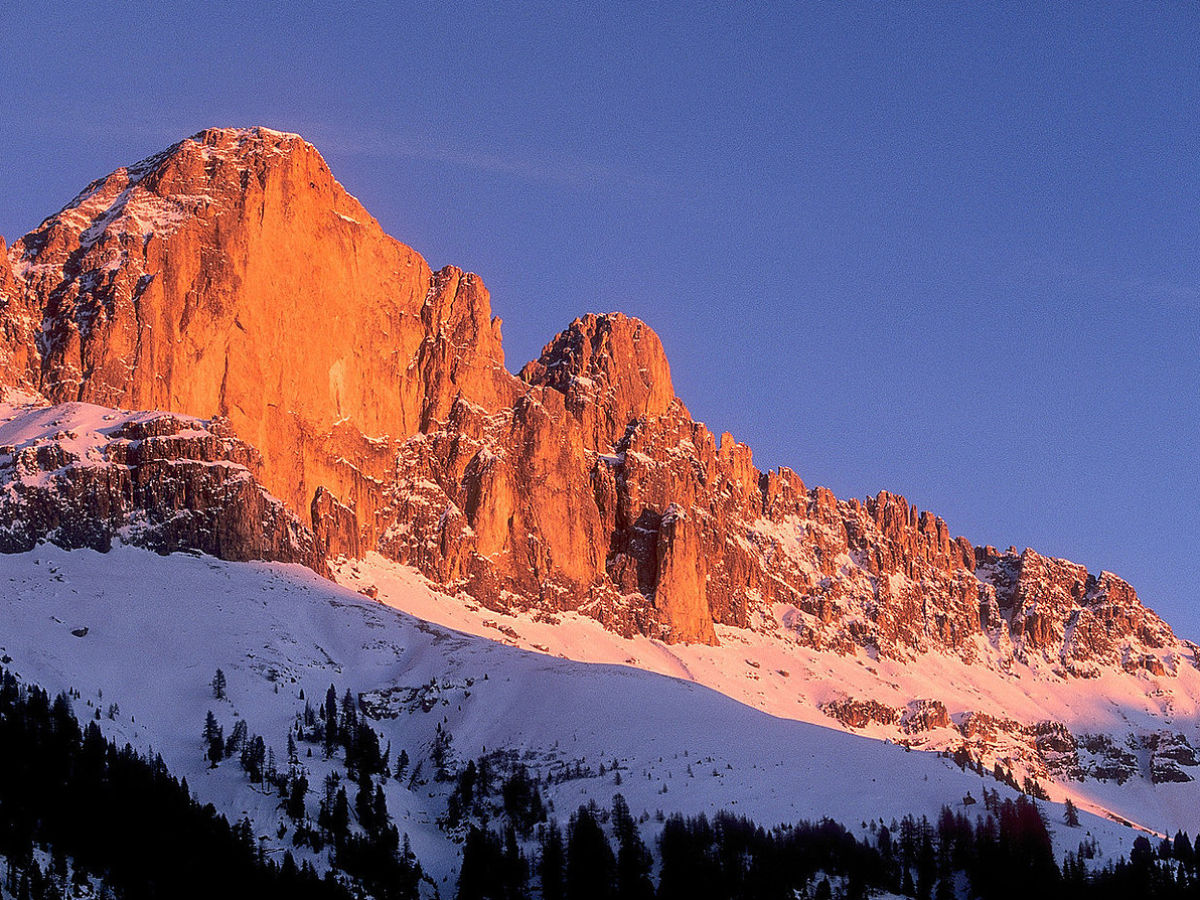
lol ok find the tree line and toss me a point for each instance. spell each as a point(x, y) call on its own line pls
point(121, 818)
point(364, 842)
point(1004, 852)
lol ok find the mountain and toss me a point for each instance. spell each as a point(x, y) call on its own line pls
point(231, 275)
point(282, 346)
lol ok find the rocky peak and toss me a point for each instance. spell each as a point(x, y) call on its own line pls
point(1056, 609)
point(7, 280)
point(151, 199)
point(612, 370)
point(232, 275)
point(19, 324)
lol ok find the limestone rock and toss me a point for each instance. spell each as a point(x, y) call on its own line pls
point(19, 321)
point(231, 275)
point(861, 713)
point(679, 590)
point(83, 476)
point(612, 371)
point(1169, 753)
point(1105, 759)
point(924, 715)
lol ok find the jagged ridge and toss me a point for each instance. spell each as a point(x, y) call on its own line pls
point(231, 275)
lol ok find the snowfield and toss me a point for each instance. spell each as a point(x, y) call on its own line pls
point(767, 670)
point(157, 628)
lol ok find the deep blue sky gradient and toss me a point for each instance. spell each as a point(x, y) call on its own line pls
point(946, 250)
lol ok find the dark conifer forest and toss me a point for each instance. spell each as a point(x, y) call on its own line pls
point(1003, 853)
point(77, 810)
point(122, 819)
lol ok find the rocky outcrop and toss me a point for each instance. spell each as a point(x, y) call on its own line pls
point(19, 321)
point(925, 715)
point(1170, 752)
point(1057, 609)
point(7, 281)
point(611, 370)
point(83, 476)
point(232, 276)
point(1105, 759)
point(335, 528)
point(861, 713)
point(917, 717)
point(680, 593)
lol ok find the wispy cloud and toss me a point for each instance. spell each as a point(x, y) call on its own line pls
point(564, 169)
point(1051, 275)
point(533, 165)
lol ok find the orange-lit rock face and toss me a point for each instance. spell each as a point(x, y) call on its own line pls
point(232, 275)
point(611, 370)
point(680, 593)
point(20, 361)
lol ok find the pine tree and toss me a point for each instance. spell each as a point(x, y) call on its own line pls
point(515, 869)
point(214, 740)
point(218, 686)
point(552, 864)
point(253, 757)
point(1182, 849)
point(1070, 814)
point(379, 809)
point(210, 727)
point(633, 859)
point(439, 753)
point(477, 876)
point(328, 796)
point(329, 714)
point(339, 819)
point(363, 801)
point(237, 737)
point(522, 798)
point(295, 801)
point(348, 725)
point(590, 863)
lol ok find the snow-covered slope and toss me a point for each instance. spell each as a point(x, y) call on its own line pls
point(1127, 733)
point(139, 638)
point(1121, 744)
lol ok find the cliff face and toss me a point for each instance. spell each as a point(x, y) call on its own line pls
point(81, 476)
point(19, 321)
point(232, 276)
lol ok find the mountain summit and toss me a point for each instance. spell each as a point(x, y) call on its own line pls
point(232, 276)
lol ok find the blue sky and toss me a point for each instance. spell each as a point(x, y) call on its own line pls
point(938, 249)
